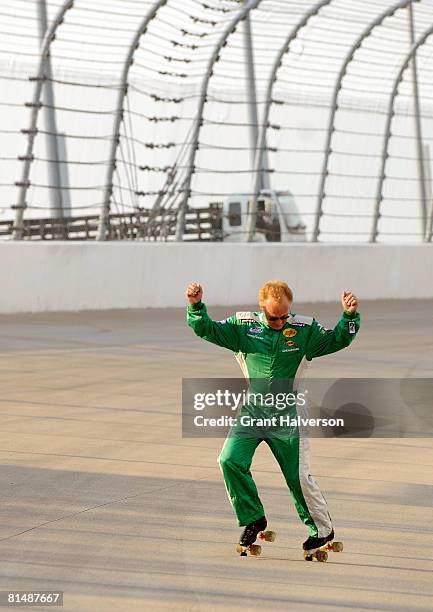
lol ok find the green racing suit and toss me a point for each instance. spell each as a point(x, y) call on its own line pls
point(271, 358)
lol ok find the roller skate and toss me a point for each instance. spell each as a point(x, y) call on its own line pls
point(318, 548)
point(249, 536)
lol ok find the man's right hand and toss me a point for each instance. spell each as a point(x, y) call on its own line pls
point(194, 293)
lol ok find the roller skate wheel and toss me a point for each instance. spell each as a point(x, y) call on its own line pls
point(337, 546)
point(321, 555)
point(255, 550)
point(308, 557)
point(268, 536)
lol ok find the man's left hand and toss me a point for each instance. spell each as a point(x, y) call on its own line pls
point(349, 302)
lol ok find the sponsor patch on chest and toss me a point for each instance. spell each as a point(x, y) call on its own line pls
point(300, 321)
point(248, 316)
point(255, 330)
point(289, 332)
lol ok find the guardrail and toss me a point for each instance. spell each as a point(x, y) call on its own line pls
point(201, 225)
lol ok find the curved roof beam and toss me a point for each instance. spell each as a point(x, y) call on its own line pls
point(261, 142)
point(123, 89)
point(243, 12)
point(390, 115)
point(334, 105)
point(32, 130)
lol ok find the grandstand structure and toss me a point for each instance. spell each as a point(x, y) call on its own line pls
point(142, 119)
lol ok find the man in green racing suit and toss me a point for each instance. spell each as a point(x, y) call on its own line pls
point(270, 346)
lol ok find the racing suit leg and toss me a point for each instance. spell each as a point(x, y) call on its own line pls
point(235, 462)
point(292, 454)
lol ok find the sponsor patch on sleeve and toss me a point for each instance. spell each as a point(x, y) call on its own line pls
point(352, 327)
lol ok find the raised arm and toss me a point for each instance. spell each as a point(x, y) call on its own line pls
point(325, 341)
point(223, 333)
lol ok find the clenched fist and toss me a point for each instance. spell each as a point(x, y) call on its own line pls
point(194, 293)
point(349, 302)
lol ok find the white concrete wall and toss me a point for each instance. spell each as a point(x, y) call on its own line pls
point(84, 275)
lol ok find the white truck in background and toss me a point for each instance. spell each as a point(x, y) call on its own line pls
point(278, 218)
